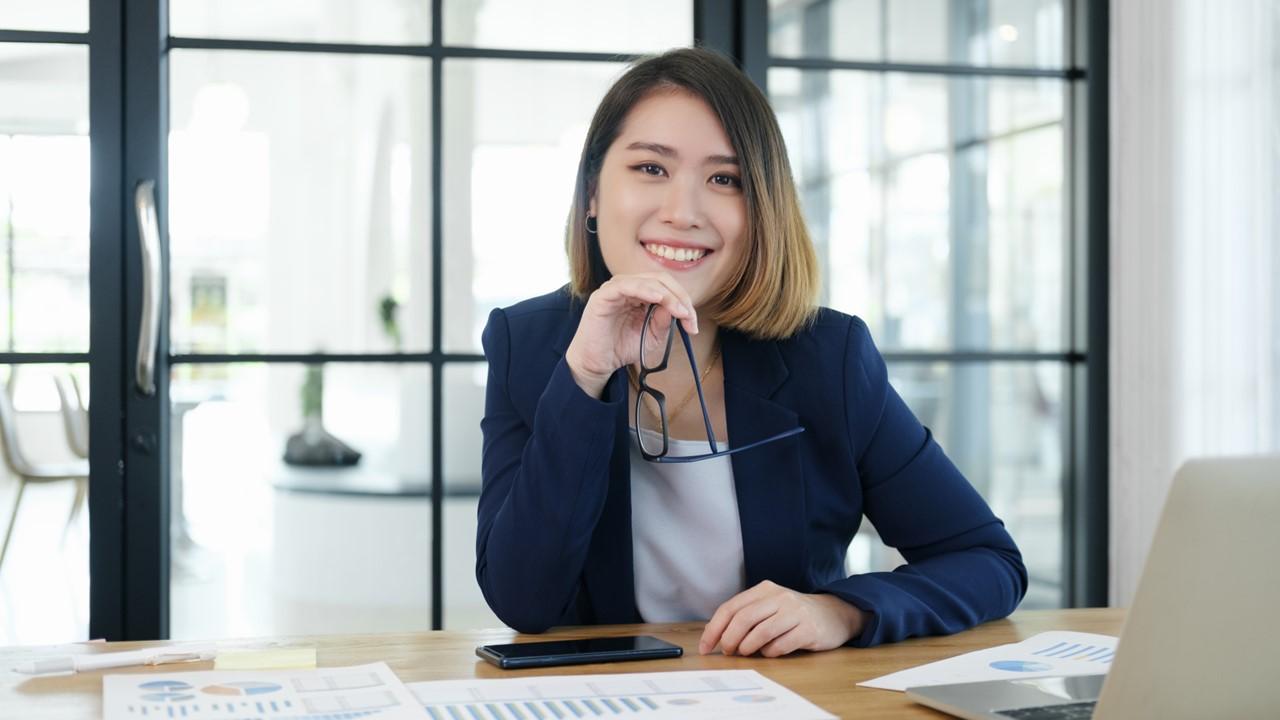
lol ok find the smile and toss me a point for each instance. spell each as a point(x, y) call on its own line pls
point(685, 256)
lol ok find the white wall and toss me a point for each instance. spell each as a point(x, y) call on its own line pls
point(1195, 299)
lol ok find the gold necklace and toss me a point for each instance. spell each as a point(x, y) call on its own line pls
point(634, 377)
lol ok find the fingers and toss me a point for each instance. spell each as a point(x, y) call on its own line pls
point(743, 622)
point(768, 632)
point(652, 288)
point(784, 644)
point(690, 321)
point(719, 622)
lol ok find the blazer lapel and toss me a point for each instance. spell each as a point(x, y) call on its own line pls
point(769, 481)
point(608, 572)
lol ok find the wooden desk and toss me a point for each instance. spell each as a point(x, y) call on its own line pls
point(827, 679)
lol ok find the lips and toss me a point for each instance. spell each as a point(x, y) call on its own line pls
point(676, 253)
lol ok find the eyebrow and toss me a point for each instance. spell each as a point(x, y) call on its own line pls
point(668, 151)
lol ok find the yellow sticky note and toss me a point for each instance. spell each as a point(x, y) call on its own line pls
point(266, 659)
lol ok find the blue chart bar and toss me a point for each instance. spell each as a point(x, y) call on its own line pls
point(543, 709)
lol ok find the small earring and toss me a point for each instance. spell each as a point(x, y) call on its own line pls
point(592, 225)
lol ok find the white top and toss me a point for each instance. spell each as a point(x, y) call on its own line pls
point(685, 534)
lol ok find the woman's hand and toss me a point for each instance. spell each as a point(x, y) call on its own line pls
point(775, 621)
point(608, 336)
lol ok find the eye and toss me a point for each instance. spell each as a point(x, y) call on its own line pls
point(724, 180)
point(650, 169)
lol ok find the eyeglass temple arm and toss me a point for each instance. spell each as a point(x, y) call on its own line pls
point(697, 384)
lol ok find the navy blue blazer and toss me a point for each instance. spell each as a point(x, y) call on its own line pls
point(553, 545)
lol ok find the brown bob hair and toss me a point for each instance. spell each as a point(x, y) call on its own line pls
point(772, 293)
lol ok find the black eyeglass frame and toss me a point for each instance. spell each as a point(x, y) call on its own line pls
point(661, 400)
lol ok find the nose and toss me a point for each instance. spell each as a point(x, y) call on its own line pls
point(681, 206)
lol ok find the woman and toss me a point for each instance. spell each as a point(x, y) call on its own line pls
point(685, 213)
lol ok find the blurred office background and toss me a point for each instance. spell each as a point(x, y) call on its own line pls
point(347, 190)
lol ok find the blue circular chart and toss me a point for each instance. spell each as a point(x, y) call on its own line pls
point(165, 685)
point(1020, 666)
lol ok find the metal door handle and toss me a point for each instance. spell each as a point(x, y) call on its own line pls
point(144, 201)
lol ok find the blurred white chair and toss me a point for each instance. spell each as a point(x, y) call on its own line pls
point(75, 416)
point(25, 471)
point(75, 421)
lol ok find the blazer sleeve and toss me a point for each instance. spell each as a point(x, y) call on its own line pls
point(543, 488)
point(962, 567)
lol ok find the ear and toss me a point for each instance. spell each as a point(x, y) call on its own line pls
point(591, 204)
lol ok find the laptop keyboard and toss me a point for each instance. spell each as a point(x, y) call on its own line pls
point(1070, 711)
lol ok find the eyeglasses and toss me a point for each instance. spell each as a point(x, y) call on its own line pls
point(649, 449)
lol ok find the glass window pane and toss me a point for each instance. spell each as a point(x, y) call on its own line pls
point(378, 22)
point(841, 29)
point(264, 547)
point(1002, 424)
point(300, 202)
point(44, 198)
point(45, 15)
point(612, 26)
point(1001, 33)
point(44, 598)
point(464, 386)
point(936, 203)
point(509, 181)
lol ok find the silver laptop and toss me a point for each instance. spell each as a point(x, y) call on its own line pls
point(1202, 639)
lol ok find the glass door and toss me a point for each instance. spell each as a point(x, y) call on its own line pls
point(44, 321)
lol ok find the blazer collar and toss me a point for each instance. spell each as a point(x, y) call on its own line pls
point(769, 480)
point(561, 343)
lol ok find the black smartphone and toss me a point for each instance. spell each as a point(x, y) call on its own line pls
point(577, 652)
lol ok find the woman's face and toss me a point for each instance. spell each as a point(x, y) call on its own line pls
point(670, 197)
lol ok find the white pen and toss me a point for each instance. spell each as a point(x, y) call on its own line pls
point(98, 661)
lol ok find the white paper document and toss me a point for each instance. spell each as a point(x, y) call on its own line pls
point(364, 691)
point(1046, 654)
point(685, 694)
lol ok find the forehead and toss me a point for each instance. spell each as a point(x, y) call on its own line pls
point(677, 119)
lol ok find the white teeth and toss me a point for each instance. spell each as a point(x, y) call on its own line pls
point(677, 254)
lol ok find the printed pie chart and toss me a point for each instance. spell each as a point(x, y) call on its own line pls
point(165, 691)
point(1020, 666)
point(242, 688)
point(165, 685)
